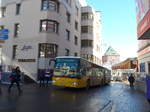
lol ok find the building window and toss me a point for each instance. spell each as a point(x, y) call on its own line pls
point(86, 43)
point(18, 6)
point(2, 12)
point(97, 48)
point(75, 54)
point(76, 40)
point(67, 52)
point(76, 25)
point(148, 67)
point(68, 17)
point(16, 30)
point(87, 16)
point(47, 50)
point(87, 29)
point(88, 57)
point(14, 52)
point(45, 5)
point(51, 5)
point(68, 2)
point(77, 11)
point(2, 27)
point(142, 67)
point(67, 34)
point(49, 26)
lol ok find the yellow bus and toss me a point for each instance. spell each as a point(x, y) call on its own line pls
point(76, 72)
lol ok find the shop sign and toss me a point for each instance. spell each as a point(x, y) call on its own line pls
point(26, 60)
point(26, 48)
point(4, 34)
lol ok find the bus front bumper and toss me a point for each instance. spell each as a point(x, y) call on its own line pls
point(68, 82)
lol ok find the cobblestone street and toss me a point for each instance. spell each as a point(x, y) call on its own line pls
point(53, 99)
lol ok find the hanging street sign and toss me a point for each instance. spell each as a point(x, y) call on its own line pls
point(4, 34)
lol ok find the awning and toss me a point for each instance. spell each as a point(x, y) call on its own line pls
point(130, 63)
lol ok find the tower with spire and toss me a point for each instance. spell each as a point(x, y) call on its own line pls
point(110, 57)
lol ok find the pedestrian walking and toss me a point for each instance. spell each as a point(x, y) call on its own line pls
point(41, 78)
point(148, 88)
point(47, 77)
point(131, 80)
point(15, 78)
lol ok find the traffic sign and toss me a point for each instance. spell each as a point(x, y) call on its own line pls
point(4, 34)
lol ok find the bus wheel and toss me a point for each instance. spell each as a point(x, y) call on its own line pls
point(103, 82)
point(88, 84)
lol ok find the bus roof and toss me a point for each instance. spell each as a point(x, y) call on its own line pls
point(68, 57)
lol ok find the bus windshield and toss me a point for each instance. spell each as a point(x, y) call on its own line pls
point(66, 67)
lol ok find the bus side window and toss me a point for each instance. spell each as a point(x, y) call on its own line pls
point(89, 71)
point(82, 71)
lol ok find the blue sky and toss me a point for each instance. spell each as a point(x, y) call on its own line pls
point(118, 25)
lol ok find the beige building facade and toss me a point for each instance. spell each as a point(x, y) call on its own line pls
point(38, 31)
point(91, 35)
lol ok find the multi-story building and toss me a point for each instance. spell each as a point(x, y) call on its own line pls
point(91, 35)
point(143, 33)
point(40, 30)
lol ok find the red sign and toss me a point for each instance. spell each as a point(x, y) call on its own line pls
point(144, 26)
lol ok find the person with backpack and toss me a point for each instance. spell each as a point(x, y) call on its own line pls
point(42, 78)
point(15, 78)
point(47, 76)
point(131, 80)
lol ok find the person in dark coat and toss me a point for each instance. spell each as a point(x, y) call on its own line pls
point(41, 78)
point(47, 77)
point(131, 80)
point(15, 78)
point(148, 88)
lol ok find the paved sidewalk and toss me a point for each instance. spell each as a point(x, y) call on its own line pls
point(129, 100)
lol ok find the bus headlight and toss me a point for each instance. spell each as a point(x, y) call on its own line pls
point(53, 81)
point(75, 83)
point(57, 78)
